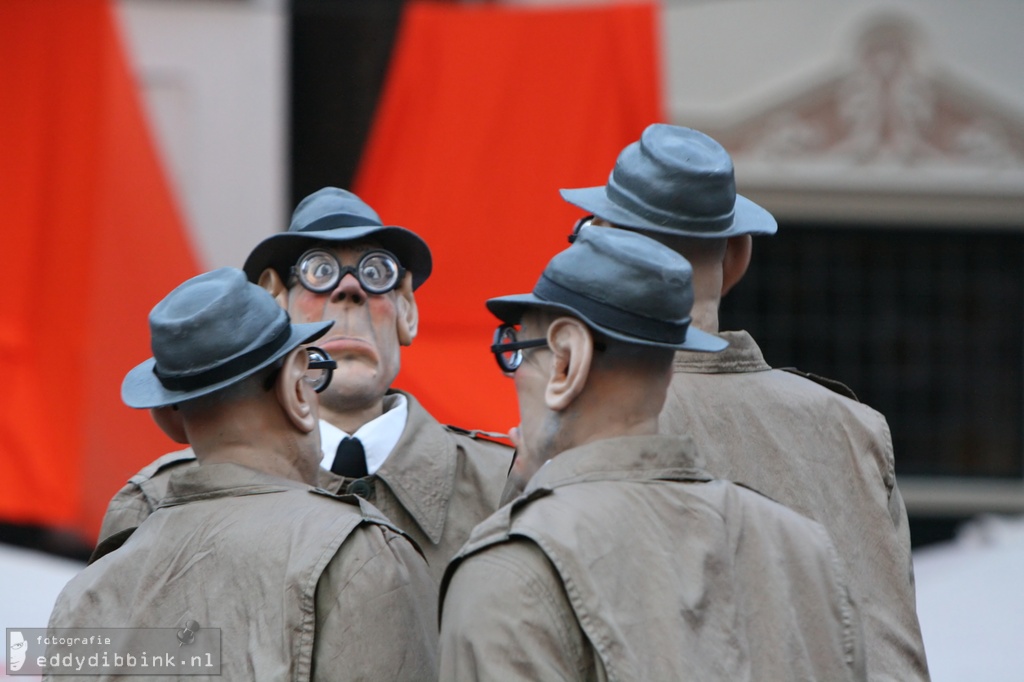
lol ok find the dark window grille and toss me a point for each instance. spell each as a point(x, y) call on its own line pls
point(924, 324)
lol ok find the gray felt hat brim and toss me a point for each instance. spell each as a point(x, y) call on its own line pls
point(749, 218)
point(142, 389)
point(281, 251)
point(510, 309)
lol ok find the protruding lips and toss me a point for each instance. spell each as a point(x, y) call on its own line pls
point(341, 347)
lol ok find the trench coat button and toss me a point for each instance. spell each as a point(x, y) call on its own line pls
point(361, 488)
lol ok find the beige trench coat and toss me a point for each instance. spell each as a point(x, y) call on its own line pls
point(824, 455)
point(435, 485)
point(623, 560)
point(303, 585)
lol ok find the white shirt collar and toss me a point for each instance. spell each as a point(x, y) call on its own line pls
point(379, 436)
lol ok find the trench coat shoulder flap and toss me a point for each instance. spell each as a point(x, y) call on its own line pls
point(151, 480)
point(831, 384)
point(493, 530)
point(498, 527)
point(163, 462)
point(370, 514)
point(229, 480)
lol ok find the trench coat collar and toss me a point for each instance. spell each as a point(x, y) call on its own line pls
point(658, 457)
point(223, 479)
point(742, 355)
point(420, 470)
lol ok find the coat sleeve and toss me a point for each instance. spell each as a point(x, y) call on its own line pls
point(506, 616)
point(376, 611)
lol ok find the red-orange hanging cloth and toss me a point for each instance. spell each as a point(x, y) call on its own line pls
point(486, 112)
point(91, 239)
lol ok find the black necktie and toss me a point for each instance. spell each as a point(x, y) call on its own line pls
point(350, 459)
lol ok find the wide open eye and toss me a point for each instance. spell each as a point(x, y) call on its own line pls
point(318, 270)
point(379, 272)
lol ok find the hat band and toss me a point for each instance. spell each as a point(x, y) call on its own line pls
point(629, 202)
point(336, 220)
point(229, 369)
point(621, 321)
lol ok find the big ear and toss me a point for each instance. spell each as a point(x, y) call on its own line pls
point(572, 351)
point(168, 418)
point(408, 314)
point(294, 394)
point(272, 282)
point(736, 260)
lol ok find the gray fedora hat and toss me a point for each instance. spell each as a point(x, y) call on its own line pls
point(677, 181)
point(337, 215)
point(622, 284)
point(209, 333)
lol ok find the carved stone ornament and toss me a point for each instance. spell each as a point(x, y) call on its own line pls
point(887, 110)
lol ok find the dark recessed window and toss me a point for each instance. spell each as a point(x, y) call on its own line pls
point(925, 325)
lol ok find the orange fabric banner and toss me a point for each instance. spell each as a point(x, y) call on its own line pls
point(92, 239)
point(486, 112)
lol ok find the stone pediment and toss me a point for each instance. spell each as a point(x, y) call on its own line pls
point(891, 129)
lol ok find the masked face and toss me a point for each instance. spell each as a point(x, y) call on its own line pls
point(368, 332)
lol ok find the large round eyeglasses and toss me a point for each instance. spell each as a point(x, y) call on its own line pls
point(508, 351)
point(318, 374)
point(377, 271)
point(321, 368)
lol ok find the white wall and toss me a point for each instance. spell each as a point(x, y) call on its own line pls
point(214, 75)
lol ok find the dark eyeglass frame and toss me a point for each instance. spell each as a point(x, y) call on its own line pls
point(585, 221)
point(318, 359)
point(356, 270)
point(499, 349)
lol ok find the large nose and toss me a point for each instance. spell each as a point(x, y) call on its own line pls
point(349, 289)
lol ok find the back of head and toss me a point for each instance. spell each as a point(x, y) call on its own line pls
point(208, 334)
point(674, 181)
point(611, 310)
point(677, 185)
point(623, 285)
point(216, 338)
